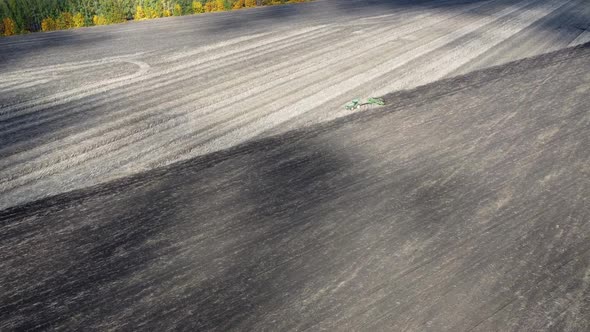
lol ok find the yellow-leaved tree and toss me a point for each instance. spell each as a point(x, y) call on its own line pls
point(209, 6)
point(198, 7)
point(79, 20)
point(250, 3)
point(99, 20)
point(151, 13)
point(238, 4)
point(64, 21)
point(177, 10)
point(48, 24)
point(139, 13)
point(219, 5)
point(8, 26)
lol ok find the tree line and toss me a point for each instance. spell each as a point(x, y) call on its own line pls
point(23, 16)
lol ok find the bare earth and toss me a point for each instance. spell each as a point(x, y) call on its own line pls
point(81, 107)
point(461, 206)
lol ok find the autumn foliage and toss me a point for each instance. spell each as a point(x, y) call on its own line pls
point(177, 10)
point(198, 7)
point(79, 20)
point(99, 20)
point(140, 13)
point(20, 16)
point(238, 4)
point(8, 27)
point(48, 24)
